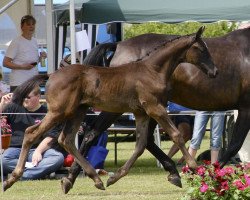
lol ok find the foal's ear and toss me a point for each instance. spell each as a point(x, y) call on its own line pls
point(199, 32)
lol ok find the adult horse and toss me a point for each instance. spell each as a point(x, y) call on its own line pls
point(136, 87)
point(230, 89)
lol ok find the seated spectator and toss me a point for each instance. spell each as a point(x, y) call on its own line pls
point(45, 156)
point(184, 123)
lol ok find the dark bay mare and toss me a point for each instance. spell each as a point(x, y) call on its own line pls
point(188, 87)
point(137, 87)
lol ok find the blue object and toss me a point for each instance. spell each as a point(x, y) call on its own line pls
point(97, 154)
point(173, 107)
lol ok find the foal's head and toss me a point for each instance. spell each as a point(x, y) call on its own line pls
point(199, 55)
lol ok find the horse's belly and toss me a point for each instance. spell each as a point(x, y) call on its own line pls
point(203, 100)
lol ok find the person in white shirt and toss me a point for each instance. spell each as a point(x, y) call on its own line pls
point(22, 55)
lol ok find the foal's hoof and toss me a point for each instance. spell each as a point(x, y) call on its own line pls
point(192, 165)
point(175, 179)
point(66, 185)
point(100, 186)
point(111, 180)
point(6, 185)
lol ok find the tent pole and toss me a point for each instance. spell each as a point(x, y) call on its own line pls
point(72, 31)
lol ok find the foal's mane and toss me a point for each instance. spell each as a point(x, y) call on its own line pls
point(160, 46)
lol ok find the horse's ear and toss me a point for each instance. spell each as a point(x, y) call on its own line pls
point(199, 32)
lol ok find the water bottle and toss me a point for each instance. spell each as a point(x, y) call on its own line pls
point(43, 64)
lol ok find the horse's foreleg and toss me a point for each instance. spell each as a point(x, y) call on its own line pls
point(142, 123)
point(167, 163)
point(67, 138)
point(240, 132)
point(31, 135)
point(102, 123)
point(160, 115)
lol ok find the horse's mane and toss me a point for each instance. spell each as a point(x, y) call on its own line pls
point(25, 88)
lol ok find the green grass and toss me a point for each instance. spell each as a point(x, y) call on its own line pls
point(145, 181)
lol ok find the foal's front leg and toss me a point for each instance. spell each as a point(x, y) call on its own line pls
point(67, 140)
point(31, 135)
point(159, 113)
point(142, 122)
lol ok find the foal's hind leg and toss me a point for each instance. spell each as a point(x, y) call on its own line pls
point(142, 123)
point(31, 134)
point(167, 163)
point(67, 139)
point(102, 123)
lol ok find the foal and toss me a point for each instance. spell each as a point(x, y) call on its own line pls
point(138, 87)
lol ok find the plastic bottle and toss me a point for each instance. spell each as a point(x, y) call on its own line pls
point(43, 64)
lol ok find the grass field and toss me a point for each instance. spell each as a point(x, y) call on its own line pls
point(145, 181)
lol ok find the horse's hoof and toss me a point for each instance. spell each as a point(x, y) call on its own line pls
point(111, 181)
point(192, 165)
point(175, 180)
point(66, 185)
point(100, 186)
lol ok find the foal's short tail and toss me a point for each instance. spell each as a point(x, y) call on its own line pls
point(101, 55)
point(25, 88)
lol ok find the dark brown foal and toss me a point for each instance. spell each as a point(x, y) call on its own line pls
point(138, 87)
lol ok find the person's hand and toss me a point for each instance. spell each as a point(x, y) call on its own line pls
point(27, 66)
point(6, 99)
point(36, 158)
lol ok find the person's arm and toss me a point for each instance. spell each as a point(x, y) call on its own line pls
point(8, 62)
point(42, 147)
point(5, 100)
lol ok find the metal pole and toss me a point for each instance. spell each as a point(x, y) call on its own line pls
point(50, 36)
point(7, 6)
point(72, 31)
point(1, 156)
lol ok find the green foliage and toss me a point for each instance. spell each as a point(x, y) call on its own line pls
point(212, 29)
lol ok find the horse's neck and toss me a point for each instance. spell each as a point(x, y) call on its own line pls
point(169, 56)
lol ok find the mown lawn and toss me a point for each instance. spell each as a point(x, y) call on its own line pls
point(145, 181)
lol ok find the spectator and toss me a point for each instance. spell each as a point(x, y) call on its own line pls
point(217, 127)
point(184, 124)
point(22, 54)
point(45, 156)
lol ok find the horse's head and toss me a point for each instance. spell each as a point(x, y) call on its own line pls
point(199, 55)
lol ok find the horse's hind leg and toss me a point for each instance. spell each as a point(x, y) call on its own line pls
point(240, 131)
point(167, 163)
point(102, 123)
point(142, 123)
point(31, 134)
point(67, 139)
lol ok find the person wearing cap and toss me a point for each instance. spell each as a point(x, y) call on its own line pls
point(22, 55)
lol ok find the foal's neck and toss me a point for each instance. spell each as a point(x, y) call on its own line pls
point(167, 57)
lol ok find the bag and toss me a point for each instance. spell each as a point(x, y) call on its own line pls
point(97, 154)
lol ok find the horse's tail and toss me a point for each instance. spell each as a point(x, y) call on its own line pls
point(25, 88)
point(100, 55)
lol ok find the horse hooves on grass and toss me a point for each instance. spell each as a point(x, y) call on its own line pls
point(175, 180)
point(66, 185)
point(100, 186)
